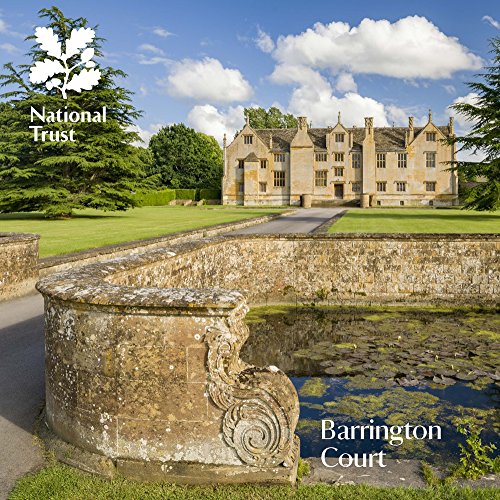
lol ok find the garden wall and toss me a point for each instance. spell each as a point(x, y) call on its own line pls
point(18, 264)
point(337, 268)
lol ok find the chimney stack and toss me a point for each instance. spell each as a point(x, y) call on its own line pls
point(411, 130)
point(368, 126)
point(452, 125)
point(302, 123)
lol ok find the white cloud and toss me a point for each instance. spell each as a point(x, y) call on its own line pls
point(464, 124)
point(148, 47)
point(345, 83)
point(409, 48)
point(5, 29)
point(3, 26)
point(144, 134)
point(264, 42)
point(207, 80)
point(450, 89)
point(9, 48)
point(492, 22)
point(162, 32)
point(212, 121)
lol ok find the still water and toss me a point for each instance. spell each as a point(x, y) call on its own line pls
point(394, 366)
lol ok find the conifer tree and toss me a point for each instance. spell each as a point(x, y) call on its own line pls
point(99, 170)
point(484, 138)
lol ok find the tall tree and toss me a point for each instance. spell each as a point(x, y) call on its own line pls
point(184, 158)
point(484, 138)
point(101, 168)
point(271, 118)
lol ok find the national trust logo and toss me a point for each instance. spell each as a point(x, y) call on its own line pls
point(56, 71)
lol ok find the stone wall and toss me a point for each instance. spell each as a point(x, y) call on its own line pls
point(18, 264)
point(142, 352)
point(337, 268)
point(58, 263)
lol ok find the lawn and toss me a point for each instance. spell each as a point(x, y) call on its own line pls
point(93, 228)
point(417, 221)
point(59, 482)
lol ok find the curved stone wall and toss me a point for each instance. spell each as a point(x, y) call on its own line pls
point(18, 264)
point(142, 352)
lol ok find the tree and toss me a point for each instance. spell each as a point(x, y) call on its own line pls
point(484, 138)
point(271, 118)
point(184, 158)
point(101, 168)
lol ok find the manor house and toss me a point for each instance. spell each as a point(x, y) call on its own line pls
point(370, 166)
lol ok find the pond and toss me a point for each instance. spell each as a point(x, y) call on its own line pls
point(384, 367)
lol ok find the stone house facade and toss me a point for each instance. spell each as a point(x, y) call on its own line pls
point(370, 166)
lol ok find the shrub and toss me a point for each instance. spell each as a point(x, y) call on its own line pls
point(185, 194)
point(156, 198)
point(209, 194)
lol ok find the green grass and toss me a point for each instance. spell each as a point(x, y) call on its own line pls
point(58, 482)
point(417, 221)
point(93, 228)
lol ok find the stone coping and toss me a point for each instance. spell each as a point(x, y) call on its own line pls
point(6, 238)
point(93, 283)
point(142, 245)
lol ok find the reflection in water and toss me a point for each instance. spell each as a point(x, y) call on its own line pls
point(393, 366)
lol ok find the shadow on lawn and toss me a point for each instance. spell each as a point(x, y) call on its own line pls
point(40, 216)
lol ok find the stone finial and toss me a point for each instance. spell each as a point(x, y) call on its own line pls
point(248, 119)
point(224, 141)
point(410, 122)
point(430, 115)
point(452, 125)
point(271, 141)
point(338, 121)
point(302, 123)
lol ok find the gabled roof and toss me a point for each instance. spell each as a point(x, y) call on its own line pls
point(251, 157)
point(386, 138)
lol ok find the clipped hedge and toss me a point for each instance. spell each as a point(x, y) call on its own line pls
point(185, 194)
point(209, 194)
point(165, 196)
point(156, 198)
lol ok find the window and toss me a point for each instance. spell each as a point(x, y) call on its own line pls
point(279, 157)
point(279, 179)
point(356, 187)
point(401, 186)
point(263, 163)
point(430, 160)
point(339, 137)
point(241, 163)
point(430, 136)
point(320, 178)
point(379, 203)
point(356, 160)
point(248, 139)
point(431, 203)
point(262, 187)
point(241, 187)
point(430, 186)
point(381, 187)
point(339, 172)
point(321, 156)
point(339, 156)
point(402, 203)
point(402, 160)
point(380, 160)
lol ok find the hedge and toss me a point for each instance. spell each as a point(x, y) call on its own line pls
point(209, 194)
point(185, 194)
point(156, 198)
point(163, 197)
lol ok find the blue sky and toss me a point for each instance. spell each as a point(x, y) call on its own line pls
point(202, 62)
